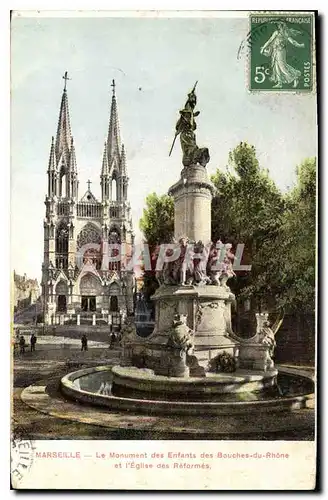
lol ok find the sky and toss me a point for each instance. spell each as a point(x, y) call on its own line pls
point(155, 63)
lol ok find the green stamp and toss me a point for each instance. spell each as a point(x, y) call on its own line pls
point(281, 52)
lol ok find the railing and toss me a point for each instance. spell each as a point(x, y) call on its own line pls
point(85, 209)
point(89, 210)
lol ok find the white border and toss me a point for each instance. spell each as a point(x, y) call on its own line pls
point(5, 151)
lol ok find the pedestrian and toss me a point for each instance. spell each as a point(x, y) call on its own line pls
point(84, 342)
point(112, 339)
point(33, 342)
point(21, 345)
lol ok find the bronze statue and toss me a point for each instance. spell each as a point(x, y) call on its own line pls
point(186, 125)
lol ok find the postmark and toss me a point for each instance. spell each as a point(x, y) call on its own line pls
point(281, 52)
point(22, 457)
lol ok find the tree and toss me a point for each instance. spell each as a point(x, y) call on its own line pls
point(247, 208)
point(278, 230)
point(157, 225)
point(157, 222)
point(293, 261)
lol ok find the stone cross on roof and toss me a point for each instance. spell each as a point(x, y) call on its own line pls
point(66, 78)
point(113, 86)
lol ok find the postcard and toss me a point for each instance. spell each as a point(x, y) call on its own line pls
point(163, 248)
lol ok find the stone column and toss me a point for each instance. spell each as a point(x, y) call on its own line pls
point(78, 320)
point(192, 204)
point(93, 320)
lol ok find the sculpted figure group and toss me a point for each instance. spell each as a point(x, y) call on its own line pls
point(198, 264)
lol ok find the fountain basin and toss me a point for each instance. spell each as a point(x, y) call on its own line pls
point(93, 386)
point(130, 380)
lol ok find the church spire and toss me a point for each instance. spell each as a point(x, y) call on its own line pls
point(72, 157)
point(63, 136)
point(104, 168)
point(52, 163)
point(113, 140)
point(104, 178)
point(123, 161)
point(52, 172)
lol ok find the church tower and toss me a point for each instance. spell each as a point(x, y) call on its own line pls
point(87, 242)
point(114, 180)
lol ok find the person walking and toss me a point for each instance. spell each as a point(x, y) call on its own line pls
point(22, 344)
point(112, 339)
point(84, 342)
point(33, 342)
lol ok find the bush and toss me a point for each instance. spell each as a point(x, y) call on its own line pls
point(223, 362)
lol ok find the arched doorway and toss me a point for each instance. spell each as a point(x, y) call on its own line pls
point(61, 292)
point(61, 303)
point(113, 304)
point(90, 287)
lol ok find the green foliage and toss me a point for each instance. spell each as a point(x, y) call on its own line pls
point(294, 259)
point(222, 362)
point(157, 222)
point(248, 208)
point(157, 225)
point(278, 230)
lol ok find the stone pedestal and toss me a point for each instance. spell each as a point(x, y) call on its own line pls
point(172, 364)
point(208, 310)
point(255, 356)
point(192, 204)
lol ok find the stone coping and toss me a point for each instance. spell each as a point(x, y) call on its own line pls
point(210, 378)
point(172, 292)
point(172, 427)
point(146, 381)
point(151, 406)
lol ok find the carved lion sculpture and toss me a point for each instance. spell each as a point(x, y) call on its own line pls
point(181, 336)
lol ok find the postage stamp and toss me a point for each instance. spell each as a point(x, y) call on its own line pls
point(281, 52)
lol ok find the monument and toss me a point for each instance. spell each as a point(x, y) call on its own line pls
point(193, 302)
point(193, 363)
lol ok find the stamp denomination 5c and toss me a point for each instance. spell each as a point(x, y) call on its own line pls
point(281, 52)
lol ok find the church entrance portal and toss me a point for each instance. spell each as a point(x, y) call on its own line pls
point(61, 304)
point(113, 305)
point(88, 303)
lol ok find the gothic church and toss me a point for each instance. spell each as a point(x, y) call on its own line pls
point(78, 283)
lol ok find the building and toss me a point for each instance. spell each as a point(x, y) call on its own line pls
point(83, 278)
point(26, 291)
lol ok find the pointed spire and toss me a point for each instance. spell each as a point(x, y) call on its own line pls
point(72, 157)
point(114, 140)
point(63, 137)
point(104, 169)
point(52, 163)
point(123, 161)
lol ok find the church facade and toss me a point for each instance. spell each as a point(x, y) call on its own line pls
point(87, 242)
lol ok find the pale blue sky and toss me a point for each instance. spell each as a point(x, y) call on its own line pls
point(163, 57)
